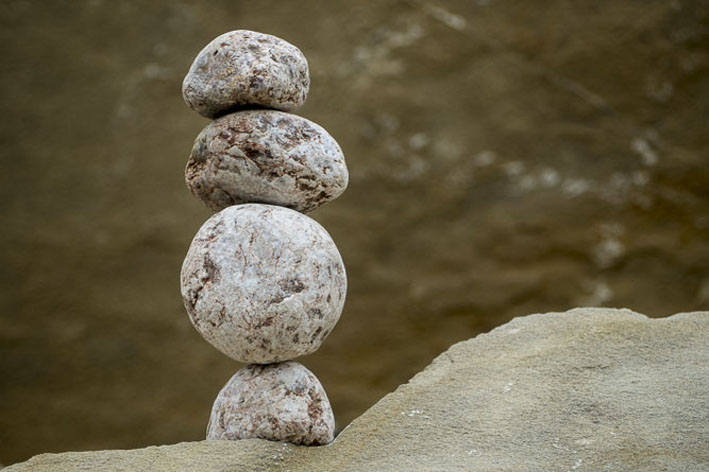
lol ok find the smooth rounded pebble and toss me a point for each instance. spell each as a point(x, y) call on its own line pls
point(278, 402)
point(245, 69)
point(266, 156)
point(263, 283)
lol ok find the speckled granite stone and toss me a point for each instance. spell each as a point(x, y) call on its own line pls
point(245, 68)
point(279, 402)
point(266, 156)
point(263, 283)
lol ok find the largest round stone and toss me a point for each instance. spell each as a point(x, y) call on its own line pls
point(263, 283)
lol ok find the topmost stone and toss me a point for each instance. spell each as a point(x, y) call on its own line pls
point(242, 69)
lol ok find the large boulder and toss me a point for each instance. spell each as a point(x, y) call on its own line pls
point(589, 389)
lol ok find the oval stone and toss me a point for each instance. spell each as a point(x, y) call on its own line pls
point(263, 283)
point(266, 156)
point(246, 69)
point(278, 402)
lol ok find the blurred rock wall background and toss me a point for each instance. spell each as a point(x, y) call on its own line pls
point(506, 157)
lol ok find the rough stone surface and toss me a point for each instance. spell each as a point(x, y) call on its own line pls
point(245, 68)
point(505, 158)
point(266, 156)
point(278, 402)
point(263, 283)
point(590, 389)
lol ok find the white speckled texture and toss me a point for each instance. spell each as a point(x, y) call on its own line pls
point(245, 68)
point(279, 402)
point(263, 283)
point(266, 156)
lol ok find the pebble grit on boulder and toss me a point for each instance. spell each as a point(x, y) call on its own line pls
point(590, 389)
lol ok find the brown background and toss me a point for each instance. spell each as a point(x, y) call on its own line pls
point(506, 157)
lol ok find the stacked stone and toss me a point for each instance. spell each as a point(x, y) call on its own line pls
point(262, 282)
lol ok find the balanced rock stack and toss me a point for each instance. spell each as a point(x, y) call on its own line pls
point(262, 282)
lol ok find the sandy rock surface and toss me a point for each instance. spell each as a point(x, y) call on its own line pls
point(263, 283)
point(278, 402)
point(266, 156)
point(245, 68)
point(586, 390)
point(544, 156)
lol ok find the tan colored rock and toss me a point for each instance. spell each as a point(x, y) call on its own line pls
point(278, 402)
point(263, 283)
point(481, 149)
point(586, 390)
point(246, 69)
point(266, 156)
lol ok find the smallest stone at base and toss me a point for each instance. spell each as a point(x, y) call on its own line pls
point(278, 402)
